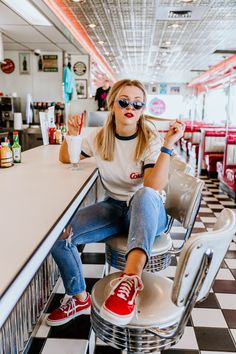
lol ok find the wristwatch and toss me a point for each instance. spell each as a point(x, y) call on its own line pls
point(167, 151)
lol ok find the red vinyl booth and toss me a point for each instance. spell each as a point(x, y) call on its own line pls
point(192, 136)
point(213, 150)
point(227, 169)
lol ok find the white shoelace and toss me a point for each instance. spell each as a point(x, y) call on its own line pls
point(69, 306)
point(125, 289)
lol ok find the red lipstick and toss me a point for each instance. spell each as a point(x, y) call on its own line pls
point(129, 115)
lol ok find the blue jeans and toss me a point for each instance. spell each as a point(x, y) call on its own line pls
point(142, 220)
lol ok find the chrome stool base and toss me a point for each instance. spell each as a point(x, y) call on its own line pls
point(116, 259)
point(131, 339)
point(163, 307)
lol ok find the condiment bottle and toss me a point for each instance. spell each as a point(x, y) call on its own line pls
point(63, 130)
point(6, 155)
point(16, 148)
point(52, 133)
point(58, 136)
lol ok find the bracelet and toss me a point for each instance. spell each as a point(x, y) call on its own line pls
point(167, 151)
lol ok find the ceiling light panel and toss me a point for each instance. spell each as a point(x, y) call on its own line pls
point(130, 28)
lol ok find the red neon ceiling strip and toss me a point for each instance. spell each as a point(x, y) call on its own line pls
point(66, 16)
point(218, 78)
point(225, 64)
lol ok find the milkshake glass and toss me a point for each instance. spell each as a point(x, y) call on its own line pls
point(74, 149)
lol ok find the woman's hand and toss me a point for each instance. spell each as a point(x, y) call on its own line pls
point(175, 132)
point(74, 124)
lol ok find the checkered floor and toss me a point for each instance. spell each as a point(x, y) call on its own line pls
point(212, 327)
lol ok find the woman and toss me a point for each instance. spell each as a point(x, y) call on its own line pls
point(133, 166)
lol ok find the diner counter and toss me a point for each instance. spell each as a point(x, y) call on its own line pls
point(38, 198)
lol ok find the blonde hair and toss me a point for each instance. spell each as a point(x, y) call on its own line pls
point(105, 138)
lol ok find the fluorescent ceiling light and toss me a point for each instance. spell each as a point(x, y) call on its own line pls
point(26, 10)
point(174, 25)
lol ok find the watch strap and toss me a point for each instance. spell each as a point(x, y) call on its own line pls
point(166, 150)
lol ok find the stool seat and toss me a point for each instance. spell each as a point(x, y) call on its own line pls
point(183, 197)
point(116, 248)
point(162, 244)
point(154, 305)
point(163, 307)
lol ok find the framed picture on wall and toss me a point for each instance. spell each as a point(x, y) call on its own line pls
point(174, 90)
point(154, 89)
point(163, 88)
point(50, 63)
point(24, 63)
point(81, 88)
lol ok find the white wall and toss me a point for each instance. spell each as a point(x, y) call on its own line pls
point(215, 106)
point(155, 89)
point(89, 105)
point(43, 86)
point(77, 105)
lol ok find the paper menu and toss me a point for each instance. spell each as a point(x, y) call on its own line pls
point(44, 124)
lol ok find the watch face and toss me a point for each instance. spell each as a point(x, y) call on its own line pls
point(79, 68)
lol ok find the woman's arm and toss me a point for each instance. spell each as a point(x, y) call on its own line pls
point(157, 177)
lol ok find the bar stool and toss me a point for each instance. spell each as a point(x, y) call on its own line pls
point(183, 198)
point(178, 165)
point(164, 306)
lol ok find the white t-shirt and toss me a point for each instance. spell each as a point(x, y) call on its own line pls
point(123, 176)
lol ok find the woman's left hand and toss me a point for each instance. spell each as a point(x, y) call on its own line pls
point(175, 132)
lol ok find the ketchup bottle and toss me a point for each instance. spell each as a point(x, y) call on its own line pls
point(52, 133)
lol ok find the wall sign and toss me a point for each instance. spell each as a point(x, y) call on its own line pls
point(49, 63)
point(8, 67)
point(156, 106)
point(81, 88)
point(79, 68)
point(24, 63)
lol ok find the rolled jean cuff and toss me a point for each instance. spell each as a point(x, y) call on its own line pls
point(74, 293)
point(75, 290)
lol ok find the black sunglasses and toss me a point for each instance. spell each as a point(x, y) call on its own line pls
point(124, 103)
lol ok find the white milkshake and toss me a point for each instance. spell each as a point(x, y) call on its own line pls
point(74, 147)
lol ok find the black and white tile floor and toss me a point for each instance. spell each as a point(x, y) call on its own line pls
point(212, 327)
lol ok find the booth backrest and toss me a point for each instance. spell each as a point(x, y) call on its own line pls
point(196, 136)
point(214, 143)
point(215, 133)
point(231, 139)
point(187, 135)
point(231, 154)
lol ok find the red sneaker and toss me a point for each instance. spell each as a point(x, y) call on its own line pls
point(119, 306)
point(71, 309)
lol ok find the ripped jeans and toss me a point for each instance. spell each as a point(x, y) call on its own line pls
point(142, 220)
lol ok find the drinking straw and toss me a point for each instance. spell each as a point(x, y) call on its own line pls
point(81, 123)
